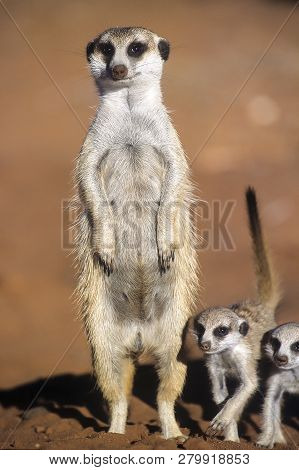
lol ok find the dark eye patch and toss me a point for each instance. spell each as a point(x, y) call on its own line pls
point(136, 49)
point(295, 347)
point(200, 329)
point(221, 331)
point(275, 343)
point(107, 49)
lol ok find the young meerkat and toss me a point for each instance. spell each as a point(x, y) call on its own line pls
point(135, 243)
point(282, 347)
point(230, 336)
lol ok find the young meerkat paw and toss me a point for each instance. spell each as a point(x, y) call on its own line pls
point(265, 441)
point(218, 425)
point(268, 441)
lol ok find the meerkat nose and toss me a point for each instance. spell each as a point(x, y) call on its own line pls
point(119, 72)
point(206, 345)
point(281, 360)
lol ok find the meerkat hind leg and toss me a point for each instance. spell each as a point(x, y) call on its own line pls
point(172, 377)
point(115, 377)
point(231, 432)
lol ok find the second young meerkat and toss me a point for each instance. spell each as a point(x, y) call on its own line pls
point(136, 250)
point(231, 336)
point(281, 345)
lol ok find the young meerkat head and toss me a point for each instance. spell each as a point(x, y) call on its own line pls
point(282, 345)
point(219, 329)
point(120, 57)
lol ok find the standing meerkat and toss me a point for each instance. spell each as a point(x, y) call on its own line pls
point(135, 241)
point(282, 347)
point(231, 336)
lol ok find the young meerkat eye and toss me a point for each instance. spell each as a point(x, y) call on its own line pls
point(107, 49)
point(136, 49)
point(221, 331)
point(295, 347)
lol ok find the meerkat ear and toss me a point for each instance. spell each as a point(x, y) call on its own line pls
point(90, 49)
point(164, 48)
point(243, 328)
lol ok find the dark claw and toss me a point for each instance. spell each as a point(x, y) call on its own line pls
point(172, 255)
point(212, 431)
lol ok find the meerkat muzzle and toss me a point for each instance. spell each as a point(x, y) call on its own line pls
point(206, 345)
point(281, 360)
point(119, 72)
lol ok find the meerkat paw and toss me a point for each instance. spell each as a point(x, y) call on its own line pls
point(218, 425)
point(268, 441)
point(180, 438)
point(166, 256)
point(106, 260)
point(280, 439)
point(265, 440)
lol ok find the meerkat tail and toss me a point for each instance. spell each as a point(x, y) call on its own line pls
point(267, 281)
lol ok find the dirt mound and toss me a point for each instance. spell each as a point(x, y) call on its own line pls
point(69, 413)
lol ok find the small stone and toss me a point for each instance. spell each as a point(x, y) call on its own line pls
point(40, 429)
point(36, 411)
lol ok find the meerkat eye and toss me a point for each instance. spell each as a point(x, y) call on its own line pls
point(106, 48)
point(136, 49)
point(275, 343)
point(221, 331)
point(295, 346)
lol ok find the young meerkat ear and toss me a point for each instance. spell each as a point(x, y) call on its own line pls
point(243, 328)
point(164, 48)
point(266, 338)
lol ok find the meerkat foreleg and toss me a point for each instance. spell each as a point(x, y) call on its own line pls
point(219, 391)
point(217, 377)
point(271, 426)
point(234, 406)
point(171, 194)
point(94, 198)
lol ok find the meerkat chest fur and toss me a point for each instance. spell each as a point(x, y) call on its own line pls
point(132, 129)
point(232, 356)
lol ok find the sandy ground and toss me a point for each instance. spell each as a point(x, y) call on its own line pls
point(47, 100)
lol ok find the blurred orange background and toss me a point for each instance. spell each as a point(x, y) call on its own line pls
point(250, 138)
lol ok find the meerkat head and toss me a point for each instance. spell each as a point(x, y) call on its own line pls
point(282, 345)
point(120, 57)
point(219, 329)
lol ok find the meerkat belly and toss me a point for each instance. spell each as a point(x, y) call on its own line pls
point(133, 174)
point(229, 363)
point(132, 177)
